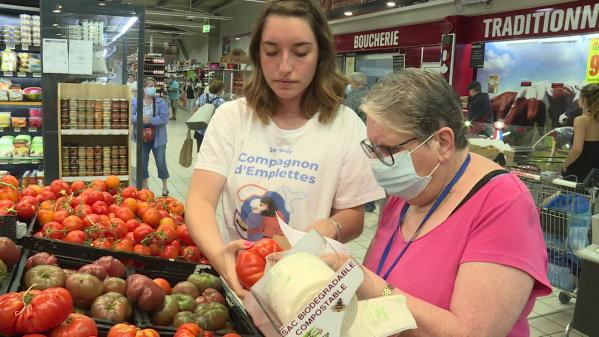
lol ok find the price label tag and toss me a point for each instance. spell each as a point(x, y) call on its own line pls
point(21, 74)
point(10, 46)
point(32, 129)
point(25, 47)
point(592, 74)
point(37, 74)
point(17, 129)
point(8, 73)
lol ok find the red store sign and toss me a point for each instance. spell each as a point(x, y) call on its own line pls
point(576, 17)
point(390, 38)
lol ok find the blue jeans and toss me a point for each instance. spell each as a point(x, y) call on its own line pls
point(159, 157)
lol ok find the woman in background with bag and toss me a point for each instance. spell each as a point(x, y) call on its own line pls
point(155, 117)
point(214, 96)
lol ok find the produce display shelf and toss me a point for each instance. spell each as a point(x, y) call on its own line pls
point(21, 48)
point(149, 263)
point(90, 178)
point(17, 74)
point(25, 130)
point(241, 322)
point(94, 132)
point(21, 161)
point(20, 103)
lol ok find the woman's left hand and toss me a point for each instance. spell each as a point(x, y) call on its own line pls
point(325, 227)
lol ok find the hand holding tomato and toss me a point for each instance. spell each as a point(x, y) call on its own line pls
point(250, 263)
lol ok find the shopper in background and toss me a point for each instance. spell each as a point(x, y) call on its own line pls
point(584, 154)
point(288, 149)
point(459, 237)
point(359, 89)
point(173, 95)
point(155, 115)
point(132, 85)
point(479, 104)
point(214, 96)
point(190, 95)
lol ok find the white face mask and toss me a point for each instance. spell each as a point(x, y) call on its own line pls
point(401, 179)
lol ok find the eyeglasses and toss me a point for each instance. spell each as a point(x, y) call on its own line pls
point(383, 153)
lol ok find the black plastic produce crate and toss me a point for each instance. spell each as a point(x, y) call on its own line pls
point(92, 253)
point(242, 324)
point(5, 285)
point(65, 262)
point(8, 227)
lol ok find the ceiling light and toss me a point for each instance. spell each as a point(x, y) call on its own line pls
point(238, 38)
point(56, 11)
point(348, 13)
point(102, 3)
point(391, 4)
point(55, 25)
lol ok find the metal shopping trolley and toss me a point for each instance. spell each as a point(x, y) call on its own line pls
point(565, 210)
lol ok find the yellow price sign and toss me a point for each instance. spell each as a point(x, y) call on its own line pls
point(593, 62)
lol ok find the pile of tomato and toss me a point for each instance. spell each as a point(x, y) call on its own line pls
point(102, 215)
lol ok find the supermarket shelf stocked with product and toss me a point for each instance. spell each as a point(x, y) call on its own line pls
point(19, 103)
point(21, 48)
point(92, 178)
point(21, 161)
point(18, 131)
point(94, 132)
point(18, 74)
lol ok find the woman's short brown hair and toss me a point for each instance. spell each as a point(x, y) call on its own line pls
point(326, 91)
point(216, 86)
point(148, 80)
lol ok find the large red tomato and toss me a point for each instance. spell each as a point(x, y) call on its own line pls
point(183, 235)
point(151, 216)
point(130, 192)
point(76, 236)
point(26, 207)
point(250, 268)
point(76, 325)
point(100, 207)
point(54, 230)
point(10, 180)
point(189, 330)
point(265, 247)
point(145, 195)
point(142, 249)
point(143, 233)
point(60, 188)
point(91, 196)
point(44, 216)
point(124, 245)
point(169, 252)
point(72, 222)
point(77, 186)
point(47, 195)
point(176, 207)
point(30, 191)
point(124, 214)
point(34, 311)
point(192, 253)
point(9, 192)
point(103, 243)
point(122, 330)
point(165, 234)
point(7, 208)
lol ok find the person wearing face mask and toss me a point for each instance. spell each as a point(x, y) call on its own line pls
point(459, 237)
point(289, 140)
point(155, 117)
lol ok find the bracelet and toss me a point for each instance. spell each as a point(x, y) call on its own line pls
point(337, 227)
point(387, 291)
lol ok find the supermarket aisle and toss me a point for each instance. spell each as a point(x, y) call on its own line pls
point(548, 319)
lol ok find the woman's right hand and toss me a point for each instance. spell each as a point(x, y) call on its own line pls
point(227, 265)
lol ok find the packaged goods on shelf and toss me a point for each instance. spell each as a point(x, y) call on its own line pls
point(15, 93)
point(37, 147)
point(18, 122)
point(9, 60)
point(21, 146)
point(6, 146)
point(4, 119)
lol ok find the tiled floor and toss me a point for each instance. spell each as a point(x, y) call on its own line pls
point(549, 316)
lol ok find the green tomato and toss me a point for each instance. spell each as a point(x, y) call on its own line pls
point(43, 277)
point(3, 271)
point(166, 315)
point(183, 317)
point(204, 281)
point(185, 302)
point(212, 316)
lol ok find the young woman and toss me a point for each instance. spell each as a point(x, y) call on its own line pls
point(289, 141)
point(214, 96)
point(155, 115)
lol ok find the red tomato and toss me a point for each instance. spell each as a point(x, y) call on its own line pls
point(189, 330)
point(82, 210)
point(64, 203)
point(183, 235)
point(77, 186)
point(142, 206)
point(132, 224)
point(76, 325)
point(165, 234)
point(44, 216)
point(91, 220)
point(230, 334)
point(34, 311)
point(169, 252)
point(60, 188)
point(75, 236)
point(145, 195)
point(151, 217)
point(113, 208)
point(124, 214)
point(8, 192)
point(249, 267)
point(91, 196)
point(142, 250)
point(99, 207)
point(130, 236)
point(7, 208)
point(98, 185)
point(10, 180)
point(143, 233)
point(103, 243)
point(60, 215)
point(192, 253)
point(112, 182)
point(26, 207)
point(130, 203)
point(176, 207)
point(122, 330)
point(155, 248)
point(147, 333)
point(118, 228)
point(265, 247)
point(123, 245)
point(108, 198)
point(130, 192)
point(53, 230)
point(72, 222)
point(167, 220)
point(47, 195)
point(164, 285)
point(29, 191)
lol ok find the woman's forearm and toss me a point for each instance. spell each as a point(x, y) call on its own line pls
point(572, 156)
point(351, 221)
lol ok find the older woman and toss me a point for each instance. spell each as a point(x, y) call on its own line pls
point(460, 237)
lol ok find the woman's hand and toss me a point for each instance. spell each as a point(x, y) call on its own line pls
point(226, 266)
point(325, 227)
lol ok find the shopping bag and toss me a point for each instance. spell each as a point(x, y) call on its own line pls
point(201, 117)
point(186, 154)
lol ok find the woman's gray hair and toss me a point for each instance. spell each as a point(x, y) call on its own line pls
point(359, 78)
point(416, 101)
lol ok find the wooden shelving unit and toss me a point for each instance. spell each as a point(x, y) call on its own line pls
point(23, 103)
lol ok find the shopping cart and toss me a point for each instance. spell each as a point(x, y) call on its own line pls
point(565, 210)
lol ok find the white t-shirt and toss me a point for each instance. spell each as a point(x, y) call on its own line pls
point(299, 175)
